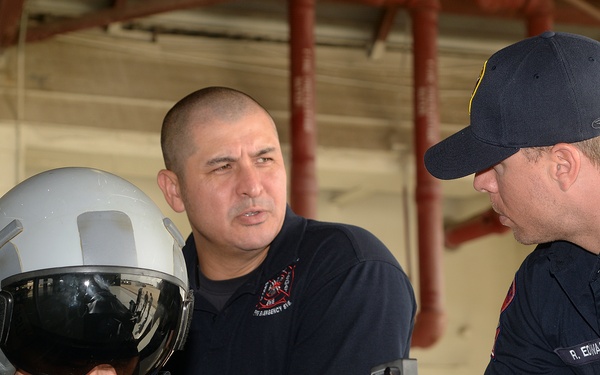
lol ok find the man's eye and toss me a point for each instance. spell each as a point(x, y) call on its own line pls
point(263, 160)
point(223, 167)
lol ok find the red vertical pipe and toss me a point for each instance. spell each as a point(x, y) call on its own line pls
point(11, 12)
point(431, 318)
point(303, 189)
point(540, 16)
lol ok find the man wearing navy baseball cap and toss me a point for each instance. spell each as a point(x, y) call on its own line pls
point(534, 147)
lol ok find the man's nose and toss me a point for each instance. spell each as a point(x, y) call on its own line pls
point(249, 182)
point(484, 181)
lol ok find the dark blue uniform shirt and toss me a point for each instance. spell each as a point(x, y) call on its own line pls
point(328, 299)
point(549, 320)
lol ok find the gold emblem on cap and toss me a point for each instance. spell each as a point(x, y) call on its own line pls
point(477, 85)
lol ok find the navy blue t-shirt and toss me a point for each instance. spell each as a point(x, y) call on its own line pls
point(328, 299)
point(549, 319)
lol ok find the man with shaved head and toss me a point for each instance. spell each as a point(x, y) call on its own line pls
point(275, 293)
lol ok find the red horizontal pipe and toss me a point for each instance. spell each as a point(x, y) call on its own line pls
point(493, 6)
point(538, 13)
point(376, 3)
point(477, 226)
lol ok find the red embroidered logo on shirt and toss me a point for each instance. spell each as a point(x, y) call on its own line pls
point(276, 293)
point(510, 296)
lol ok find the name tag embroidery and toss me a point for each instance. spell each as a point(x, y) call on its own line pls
point(580, 354)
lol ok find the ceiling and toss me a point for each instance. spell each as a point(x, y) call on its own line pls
point(363, 62)
point(348, 22)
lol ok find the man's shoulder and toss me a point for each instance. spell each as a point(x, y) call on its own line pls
point(347, 240)
point(328, 228)
point(557, 253)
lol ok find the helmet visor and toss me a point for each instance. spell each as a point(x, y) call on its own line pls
point(70, 320)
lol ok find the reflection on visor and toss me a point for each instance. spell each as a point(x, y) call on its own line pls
point(74, 319)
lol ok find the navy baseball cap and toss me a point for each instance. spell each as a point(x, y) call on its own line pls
point(537, 92)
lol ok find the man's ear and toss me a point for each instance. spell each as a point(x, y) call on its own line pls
point(566, 160)
point(169, 184)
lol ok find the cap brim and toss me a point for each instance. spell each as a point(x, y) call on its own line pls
point(463, 154)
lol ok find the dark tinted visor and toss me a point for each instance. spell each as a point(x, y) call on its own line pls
point(68, 321)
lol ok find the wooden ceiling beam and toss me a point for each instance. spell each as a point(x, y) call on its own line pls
point(119, 13)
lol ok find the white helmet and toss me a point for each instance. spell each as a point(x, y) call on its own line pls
point(91, 273)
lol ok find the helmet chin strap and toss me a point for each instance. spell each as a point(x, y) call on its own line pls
point(186, 320)
point(6, 308)
point(6, 368)
point(10, 231)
